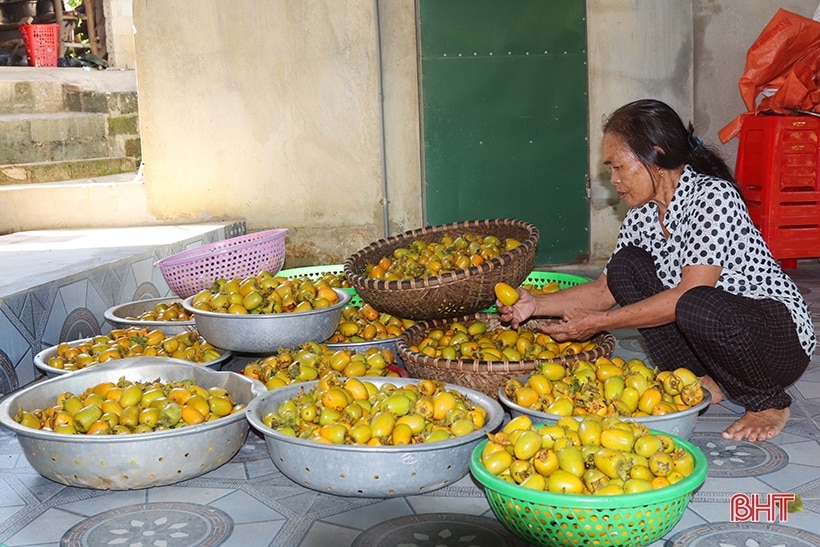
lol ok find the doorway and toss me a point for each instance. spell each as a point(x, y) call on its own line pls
point(505, 117)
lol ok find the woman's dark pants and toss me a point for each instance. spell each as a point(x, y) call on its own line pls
point(749, 347)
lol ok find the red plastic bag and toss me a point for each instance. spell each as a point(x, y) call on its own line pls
point(785, 58)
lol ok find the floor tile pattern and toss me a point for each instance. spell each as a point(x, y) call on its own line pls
point(247, 502)
point(744, 535)
point(168, 524)
point(439, 529)
point(736, 459)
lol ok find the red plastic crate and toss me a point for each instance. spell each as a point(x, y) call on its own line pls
point(778, 171)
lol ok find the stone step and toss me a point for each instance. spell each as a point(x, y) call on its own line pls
point(69, 149)
point(36, 96)
point(49, 90)
point(95, 202)
point(62, 171)
point(27, 138)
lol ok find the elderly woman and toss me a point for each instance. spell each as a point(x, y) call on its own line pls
point(691, 272)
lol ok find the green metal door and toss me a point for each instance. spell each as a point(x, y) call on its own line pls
point(504, 91)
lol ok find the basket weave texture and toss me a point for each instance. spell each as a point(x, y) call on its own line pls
point(452, 294)
point(483, 376)
point(191, 271)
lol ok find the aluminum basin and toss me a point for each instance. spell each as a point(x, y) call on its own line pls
point(269, 332)
point(370, 471)
point(131, 461)
point(118, 316)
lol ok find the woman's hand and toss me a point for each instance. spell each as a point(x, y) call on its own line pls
point(518, 312)
point(576, 324)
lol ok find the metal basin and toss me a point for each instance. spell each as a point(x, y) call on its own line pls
point(131, 461)
point(370, 471)
point(269, 332)
point(118, 316)
point(359, 347)
point(41, 361)
point(680, 424)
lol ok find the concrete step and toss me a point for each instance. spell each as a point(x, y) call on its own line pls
point(69, 149)
point(27, 138)
point(97, 202)
point(60, 171)
point(37, 96)
point(48, 90)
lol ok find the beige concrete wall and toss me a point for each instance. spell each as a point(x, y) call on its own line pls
point(305, 114)
point(636, 49)
point(723, 32)
point(273, 112)
point(119, 34)
point(689, 54)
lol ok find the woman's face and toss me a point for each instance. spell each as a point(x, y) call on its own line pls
point(630, 178)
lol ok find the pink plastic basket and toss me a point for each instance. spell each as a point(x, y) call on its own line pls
point(189, 272)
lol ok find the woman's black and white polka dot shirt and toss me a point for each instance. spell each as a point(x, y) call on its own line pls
point(709, 224)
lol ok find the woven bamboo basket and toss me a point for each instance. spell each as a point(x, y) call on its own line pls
point(483, 376)
point(452, 294)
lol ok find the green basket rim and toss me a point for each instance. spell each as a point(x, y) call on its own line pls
point(543, 275)
point(312, 270)
point(540, 275)
point(318, 271)
point(565, 280)
point(621, 501)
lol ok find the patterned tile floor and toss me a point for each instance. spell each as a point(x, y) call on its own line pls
point(247, 502)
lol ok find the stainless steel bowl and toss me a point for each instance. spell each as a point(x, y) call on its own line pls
point(42, 357)
point(131, 461)
point(269, 332)
point(359, 347)
point(370, 471)
point(681, 424)
point(118, 316)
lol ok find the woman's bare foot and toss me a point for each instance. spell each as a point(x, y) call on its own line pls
point(758, 426)
point(713, 388)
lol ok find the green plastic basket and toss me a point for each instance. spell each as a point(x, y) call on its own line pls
point(316, 272)
point(538, 279)
point(564, 280)
point(557, 520)
point(312, 272)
